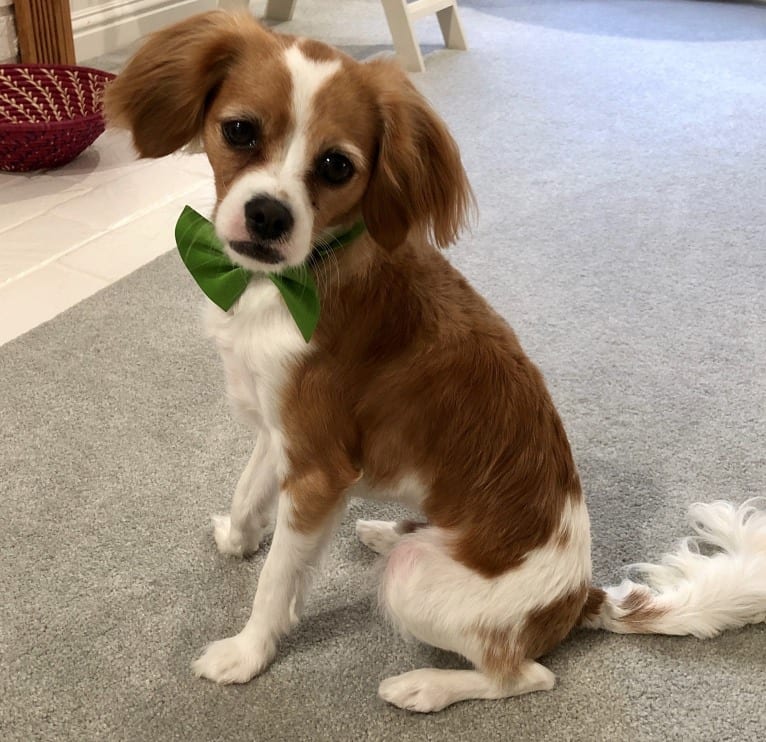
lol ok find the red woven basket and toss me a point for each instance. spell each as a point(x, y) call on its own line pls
point(48, 114)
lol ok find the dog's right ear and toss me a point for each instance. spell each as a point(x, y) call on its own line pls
point(161, 94)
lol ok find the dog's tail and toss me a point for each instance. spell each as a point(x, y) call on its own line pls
point(716, 580)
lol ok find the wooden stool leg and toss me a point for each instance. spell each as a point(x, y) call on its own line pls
point(45, 31)
point(280, 10)
point(452, 29)
point(405, 43)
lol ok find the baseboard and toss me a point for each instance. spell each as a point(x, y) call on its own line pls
point(116, 23)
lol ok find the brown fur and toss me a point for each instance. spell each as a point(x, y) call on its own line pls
point(473, 420)
point(640, 611)
point(502, 654)
point(543, 630)
point(413, 373)
point(418, 181)
point(162, 93)
point(404, 527)
point(593, 604)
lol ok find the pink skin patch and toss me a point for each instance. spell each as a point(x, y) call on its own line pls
point(402, 559)
point(233, 229)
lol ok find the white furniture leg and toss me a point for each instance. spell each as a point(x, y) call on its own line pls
point(280, 10)
point(400, 15)
point(403, 35)
point(452, 29)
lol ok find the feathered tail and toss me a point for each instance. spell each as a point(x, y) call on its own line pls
point(716, 580)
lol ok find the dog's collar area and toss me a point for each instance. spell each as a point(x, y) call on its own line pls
point(223, 282)
point(334, 242)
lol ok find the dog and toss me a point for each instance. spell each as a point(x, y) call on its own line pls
point(412, 389)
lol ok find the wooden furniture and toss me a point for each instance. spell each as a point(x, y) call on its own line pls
point(400, 15)
point(44, 29)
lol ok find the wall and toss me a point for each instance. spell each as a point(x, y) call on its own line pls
point(8, 44)
point(102, 26)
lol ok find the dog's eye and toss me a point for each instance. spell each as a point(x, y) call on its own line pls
point(240, 134)
point(334, 168)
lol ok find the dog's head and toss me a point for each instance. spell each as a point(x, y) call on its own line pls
point(302, 139)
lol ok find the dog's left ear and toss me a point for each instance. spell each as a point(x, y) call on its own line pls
point(418, 180)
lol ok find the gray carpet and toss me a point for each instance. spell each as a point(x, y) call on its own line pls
point(618, 152)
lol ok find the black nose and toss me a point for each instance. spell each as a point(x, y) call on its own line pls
point(267, 218)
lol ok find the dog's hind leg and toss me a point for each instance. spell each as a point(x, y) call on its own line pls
point(499, 623)
point(432, 690)
point(240, 533)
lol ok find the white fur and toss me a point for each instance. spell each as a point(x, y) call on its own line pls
point(258, 342)
point(435, 599)
point(432, 690)
point(575, 524)
point(702, 593)
point(438, 600)
point(284, 176)
point(409, 491)
point(239, 533)
point(277, 604)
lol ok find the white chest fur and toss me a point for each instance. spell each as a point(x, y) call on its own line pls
point(258, 342)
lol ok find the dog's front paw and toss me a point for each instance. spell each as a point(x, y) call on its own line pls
point(234, 660)
point(231, 541)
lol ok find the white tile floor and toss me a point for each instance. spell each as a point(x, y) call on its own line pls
point(67, 233)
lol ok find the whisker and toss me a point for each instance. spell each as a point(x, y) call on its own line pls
point(332, 258)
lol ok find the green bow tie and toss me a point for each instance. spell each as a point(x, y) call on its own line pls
point(223, 282)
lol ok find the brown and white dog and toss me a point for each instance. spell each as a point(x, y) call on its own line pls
point(412, 389)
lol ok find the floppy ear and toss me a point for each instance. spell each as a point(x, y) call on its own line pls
point(418, 180)
point(161, 94)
